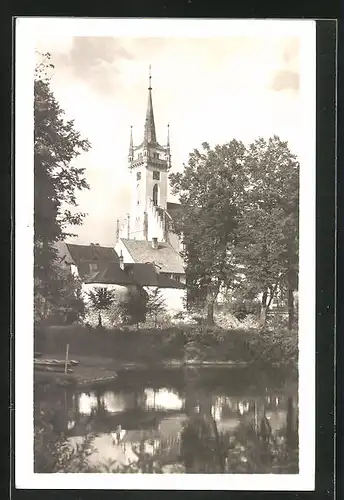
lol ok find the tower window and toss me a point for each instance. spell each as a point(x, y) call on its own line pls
point(138, 176)
point(156, 176)
point(155, 194)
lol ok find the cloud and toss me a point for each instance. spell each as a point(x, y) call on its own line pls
point(287, 76)
point(95, 60)
point(207, 89)
point(99, 61)
point(285, 80)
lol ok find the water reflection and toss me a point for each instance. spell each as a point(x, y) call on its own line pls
point(199, 427)
point(163, 399)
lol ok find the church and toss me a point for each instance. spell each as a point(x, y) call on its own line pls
point(147, 252)
point(146, 235)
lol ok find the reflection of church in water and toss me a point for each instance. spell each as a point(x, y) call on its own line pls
point(149, 408)
point(152, 419)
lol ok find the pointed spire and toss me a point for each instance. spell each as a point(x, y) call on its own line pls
point(131, 145)
point(168, 148)
point(150, 134)
point(117, 230)
point(168, 136)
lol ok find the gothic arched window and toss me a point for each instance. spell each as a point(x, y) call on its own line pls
point(155, 194)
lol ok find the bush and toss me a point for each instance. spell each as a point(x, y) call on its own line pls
point(154, 346)
point(274, 347)
point(242, 308)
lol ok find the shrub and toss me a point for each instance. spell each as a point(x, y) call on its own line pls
point(242, 308)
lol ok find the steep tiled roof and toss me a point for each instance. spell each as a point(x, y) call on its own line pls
point(166, 282)
point(91, 253)
point(174, 210)
point(63, 254)
point(146, 275)
point(168, 260)
point(173, 206)
point(134, 274)
point(143, 274)
point(112, 274)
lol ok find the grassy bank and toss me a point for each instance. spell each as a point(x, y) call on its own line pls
point(152, 346)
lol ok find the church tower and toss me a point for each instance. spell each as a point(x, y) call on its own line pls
point(149, 163)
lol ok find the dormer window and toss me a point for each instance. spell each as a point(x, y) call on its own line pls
point(156, 176)
point(138, 176)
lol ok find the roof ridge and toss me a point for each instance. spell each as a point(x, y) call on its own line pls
point(89, 245)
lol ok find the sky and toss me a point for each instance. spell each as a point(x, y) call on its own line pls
point(207, 89)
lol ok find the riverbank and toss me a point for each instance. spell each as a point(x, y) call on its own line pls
point(93, 370)
point(102, 353)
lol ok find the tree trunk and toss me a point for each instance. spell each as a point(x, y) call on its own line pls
point(210, 313)
point(290, 309)
point(100, 320)
point(210, 299)
point(263, 310)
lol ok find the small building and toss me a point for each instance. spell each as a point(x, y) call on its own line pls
point(85, 261)
point(99, 266)
point(168, 264)
point(137, 279)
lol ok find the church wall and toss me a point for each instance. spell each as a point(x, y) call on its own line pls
point(155, 225)
point(74, 271)
point(138, 202)
point(161, 183)
point(174, 299)
point(121, 248)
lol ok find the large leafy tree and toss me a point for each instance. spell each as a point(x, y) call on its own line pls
point(56, 181)
point(211, 191)
point(267, 231)
point(63, 301)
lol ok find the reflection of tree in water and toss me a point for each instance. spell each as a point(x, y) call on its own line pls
point(252, 447)
point(256, 449)
point(204, 445)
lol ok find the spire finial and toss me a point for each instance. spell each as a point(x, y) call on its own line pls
point(150, 134)
point(131, 144)
point(168, 135)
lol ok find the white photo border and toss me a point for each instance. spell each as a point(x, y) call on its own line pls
point(26, 30)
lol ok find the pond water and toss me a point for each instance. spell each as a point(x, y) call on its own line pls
point(209, 420)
